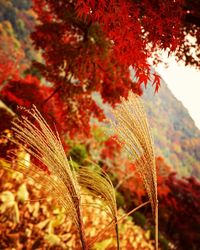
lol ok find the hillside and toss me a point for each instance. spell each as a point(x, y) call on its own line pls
point(175, 134)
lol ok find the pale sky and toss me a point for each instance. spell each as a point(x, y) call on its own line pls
point(184, 82)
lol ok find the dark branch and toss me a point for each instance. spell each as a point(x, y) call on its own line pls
point(52, 94)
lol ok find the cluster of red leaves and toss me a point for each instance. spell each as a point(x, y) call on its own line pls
point(23, 92)
point(88, 46)
point(179, 211)
point(98, 40)
point(132, 182)
point(137, 29)
point(111, 148)
point(70, 115)
point(127, 22)
point(179, 202)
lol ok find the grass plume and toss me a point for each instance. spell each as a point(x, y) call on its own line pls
point(41, 143)
point(62, 181)
point(100, 186)
point(130, 123)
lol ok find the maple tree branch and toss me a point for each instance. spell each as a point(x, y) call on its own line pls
point(51, 95)
point(77, 22)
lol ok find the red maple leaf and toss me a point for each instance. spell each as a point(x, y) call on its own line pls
point(156, 81)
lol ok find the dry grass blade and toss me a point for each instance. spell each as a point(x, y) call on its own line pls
point(100, 186)
point(129, 122)
point(47, 182)
point(41, 143)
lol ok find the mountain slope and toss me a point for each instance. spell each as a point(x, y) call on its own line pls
point(176, 137)
point(175, 134)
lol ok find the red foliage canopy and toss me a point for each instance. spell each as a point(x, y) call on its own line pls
point(180, 213)
point(88, 46)
point(96, 41)
point(28, 91)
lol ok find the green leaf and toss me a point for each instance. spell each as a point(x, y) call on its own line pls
point(52, 239)
point(103, 244)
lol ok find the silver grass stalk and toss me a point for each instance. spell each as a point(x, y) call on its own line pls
point(100, 186)
point(38, 140)
point(130, 123)
point(41, 143)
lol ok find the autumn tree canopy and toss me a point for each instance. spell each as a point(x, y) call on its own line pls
point(89, 45)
